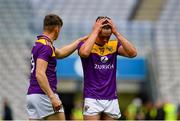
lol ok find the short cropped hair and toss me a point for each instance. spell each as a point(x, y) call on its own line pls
point(101, 17)
point(51, 21)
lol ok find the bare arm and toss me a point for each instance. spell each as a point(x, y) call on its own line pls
point(86, 48)
point(127, 49)
point(44, 84)
point(68, 49)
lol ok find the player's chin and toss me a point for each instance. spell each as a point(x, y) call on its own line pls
point(106, 41)
point(55, 39)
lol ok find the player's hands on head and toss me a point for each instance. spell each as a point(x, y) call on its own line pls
point(56, 103)
point(99, 24)
point(113, 26)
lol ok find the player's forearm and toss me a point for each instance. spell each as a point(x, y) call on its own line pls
point(44, 84)
point(86, 48)
point(67, 50)
point(128, 46)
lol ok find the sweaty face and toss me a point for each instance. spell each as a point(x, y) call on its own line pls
point(105, 34)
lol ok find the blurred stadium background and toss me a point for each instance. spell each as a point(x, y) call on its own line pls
point(152, 25)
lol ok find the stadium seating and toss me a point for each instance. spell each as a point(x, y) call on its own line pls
point(167, 52)
point(14, 51)
point(85, 9)
point(149, 10)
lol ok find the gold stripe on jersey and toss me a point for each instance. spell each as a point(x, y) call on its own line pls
point(45, 42)
point(42, 41)
point(108, 48)
point(53, 53)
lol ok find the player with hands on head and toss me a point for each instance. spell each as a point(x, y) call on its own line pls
point(42, 99)
point(99, 56)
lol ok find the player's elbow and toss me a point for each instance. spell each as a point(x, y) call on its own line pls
point(133, 54)
point(84, 54)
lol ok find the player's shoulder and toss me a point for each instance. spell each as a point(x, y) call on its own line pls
point(43, 42)
point(45, 45)
point(113, 42)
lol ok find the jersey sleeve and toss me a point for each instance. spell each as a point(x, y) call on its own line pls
point(45, 52)
point(79, 45)
point(118, 45)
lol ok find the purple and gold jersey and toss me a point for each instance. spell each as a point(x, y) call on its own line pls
point(43, 49)
point(100, 71)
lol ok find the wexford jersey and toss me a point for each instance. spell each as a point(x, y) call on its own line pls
point(100, 71)
point(43, 49)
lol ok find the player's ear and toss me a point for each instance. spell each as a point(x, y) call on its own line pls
point(57, 29)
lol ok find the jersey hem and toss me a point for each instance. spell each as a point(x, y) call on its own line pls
point(97, 98)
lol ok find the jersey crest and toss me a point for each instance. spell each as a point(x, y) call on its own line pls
point(108, 48)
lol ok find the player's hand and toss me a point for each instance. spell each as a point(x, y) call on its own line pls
point(56, 103)
point(83, 38)
point(113, 26)
point(98, 25)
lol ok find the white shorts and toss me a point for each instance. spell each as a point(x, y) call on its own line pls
point(95, 106)
point(39, 106)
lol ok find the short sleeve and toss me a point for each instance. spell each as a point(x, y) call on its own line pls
point(45, 52)
point(79, 45)
point(118, 45)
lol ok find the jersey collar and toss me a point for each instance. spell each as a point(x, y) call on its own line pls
point(42, 36)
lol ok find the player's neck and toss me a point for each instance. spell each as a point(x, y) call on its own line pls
point(50, 36)
point(99, 42)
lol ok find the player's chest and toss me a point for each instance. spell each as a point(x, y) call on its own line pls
point(102, 51)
